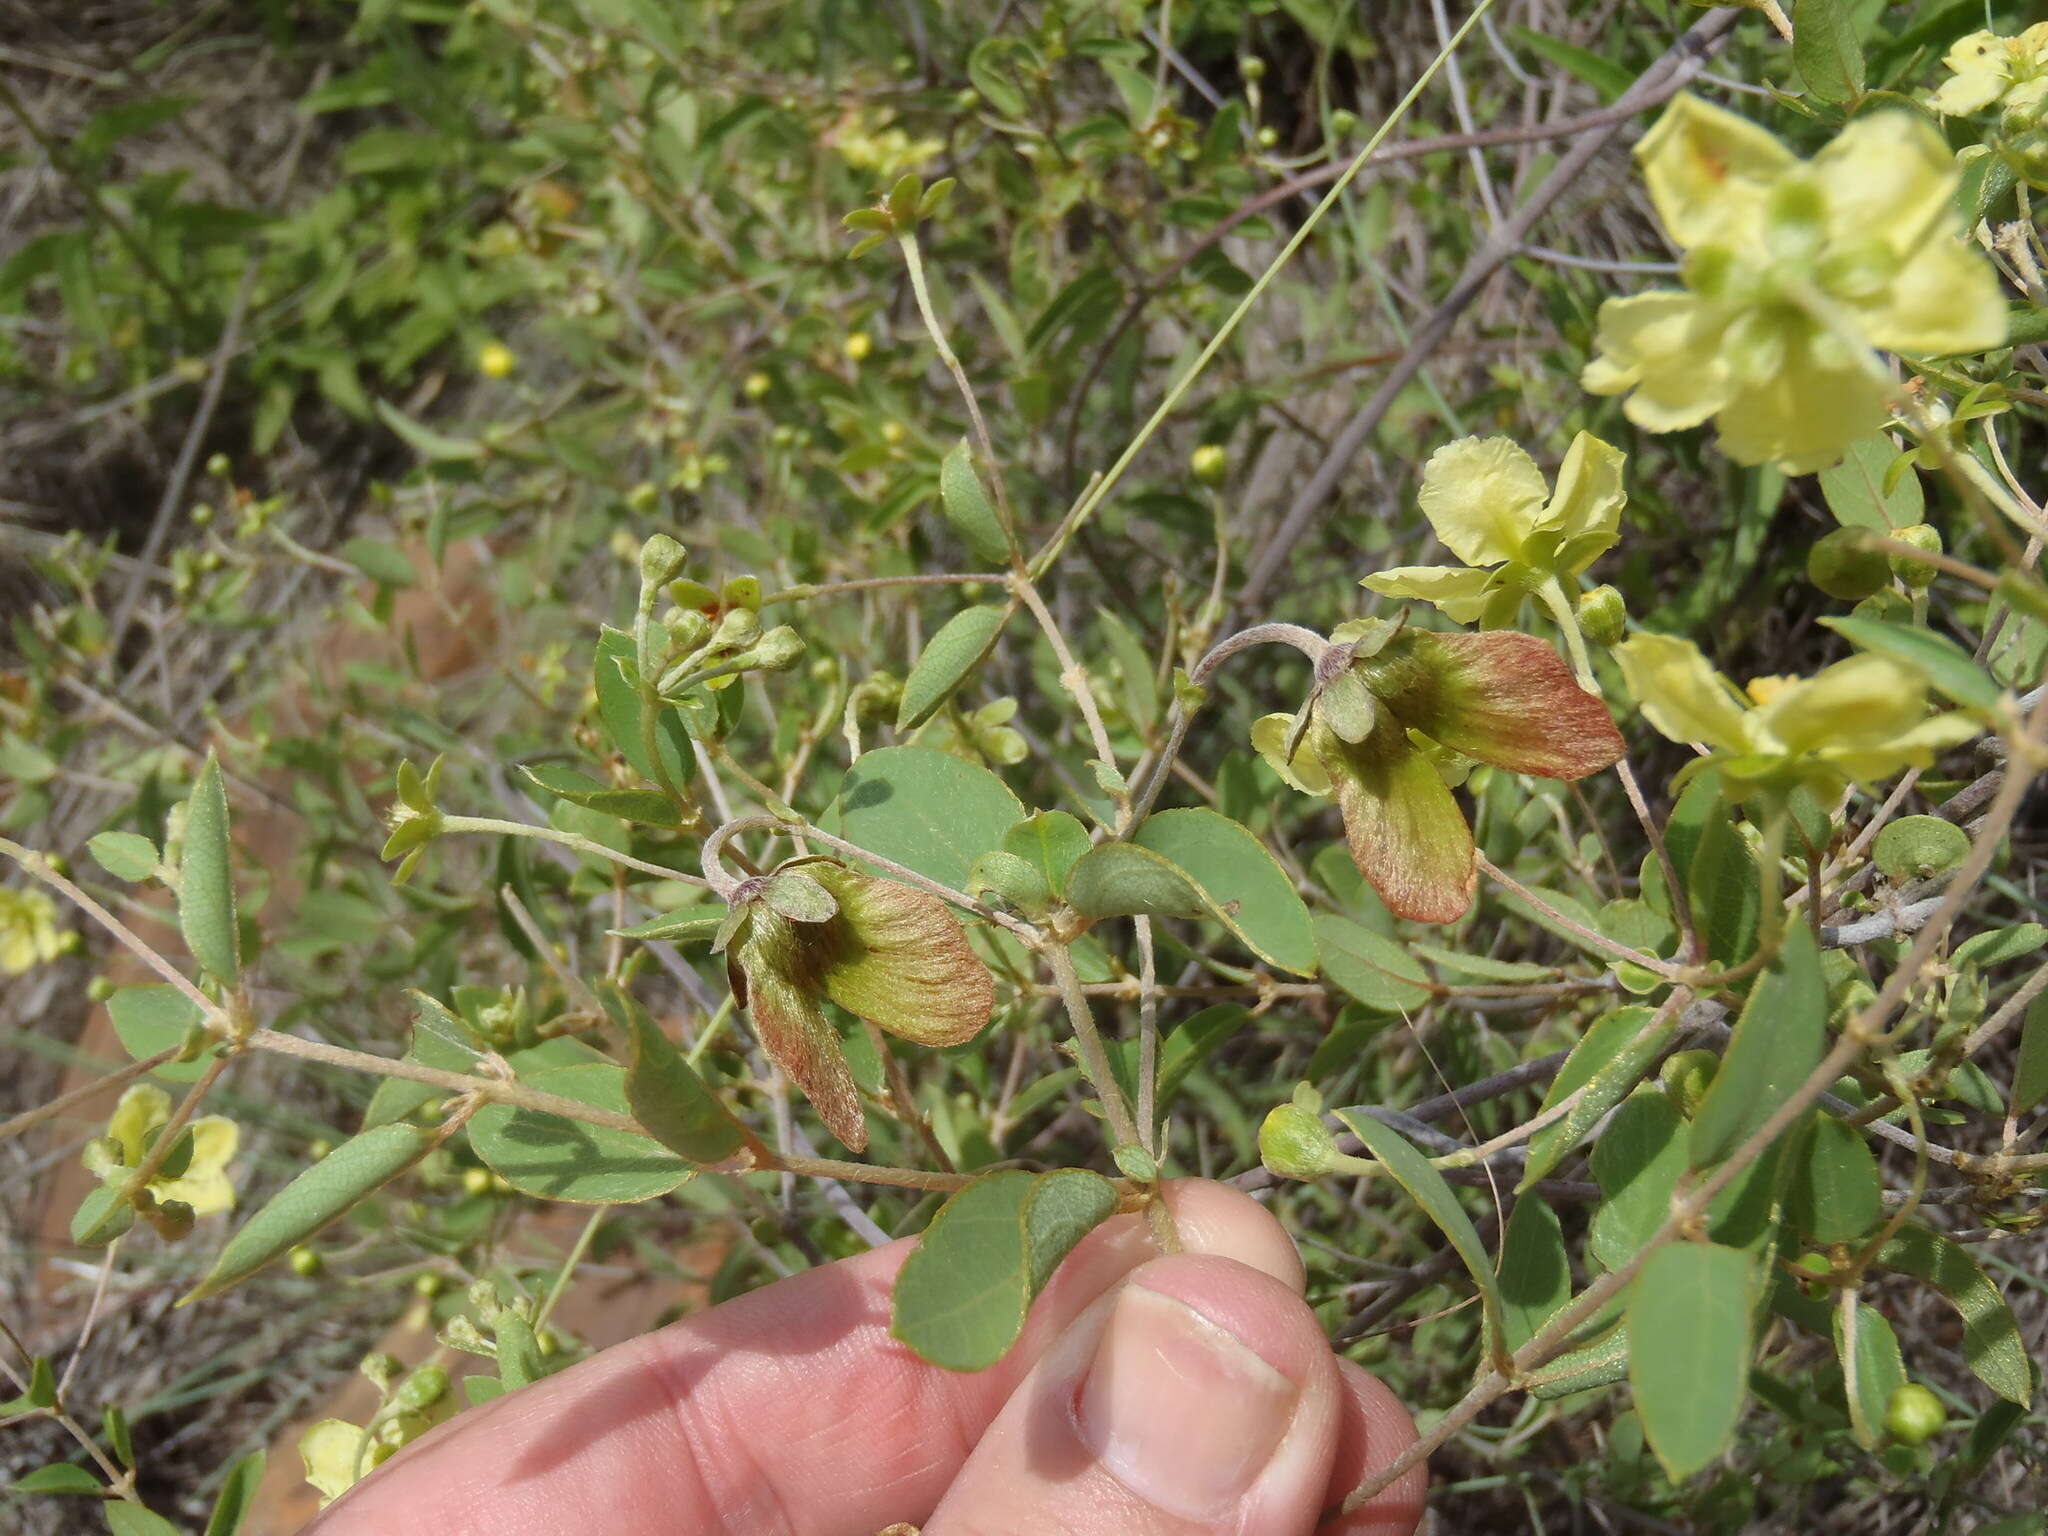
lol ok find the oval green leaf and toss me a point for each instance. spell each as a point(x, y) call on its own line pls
point(1371, 967)
point(155, 1018)
point(927, 810)
point(948, 659)
point(1688, 1360)
point(667, 1095)
point(968, 508)
point(1241, 881)
point(556, 1159)
point(1778, 1040)
point(206, 888)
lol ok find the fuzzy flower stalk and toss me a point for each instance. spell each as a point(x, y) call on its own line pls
point(1793, 270)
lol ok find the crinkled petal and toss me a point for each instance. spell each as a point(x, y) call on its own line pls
point(1681, 694)
point(1965, 95)
point(1586, 507)
point(1863, 702)
point(1666, 347)
point(1269, 740)
point(1915, 748)
point(1708, 171)
point(1404, 828)
point(141, 1110)
point(1483, 497)
point(1504, 698)
point(1805, 417)
point(1889, 175)
point(1458, 591)
point(1945, 299)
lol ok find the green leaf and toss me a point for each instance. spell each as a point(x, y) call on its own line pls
point(1426, 1187)
point(616, 676)
point(556, 1159)
point(1242, 883)
point(1609, 1060)
point(1607, 77)
point(2030, 1076)
point(1946, 665)
point(237, 1496)
point(1370, 967)
point(101, 1217)
point(689, 926)
point(125, 855)
point(968, 508)
point(1124, 880)
point(1601, 1363)
point(1725, 887)
point(57, 1477)
point(1827, 51)
point(1856, 493)
point(1999, 945)
point(1638, 1160)
point(519, 1359)
point(206, 888)
point(1050, 842)
point(961, 1299)
point(1913, 846)
point(1535, 1271)
point(1872, 1368)
point(1836, 1195)
point(115, 1423)
point(133, 1520)
point(667, 1095)
point(947, 660)
point(383, 563)
point(351, 1173)
point(1689, 1347)
point(1777, 1042)
point(436, 447)
point(1992, 1346)
point(155, 1018)
point(647, 806)
point(439, 1039)
point(926, 810)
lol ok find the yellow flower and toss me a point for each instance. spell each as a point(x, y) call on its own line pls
point(1988, 70)
point(336, 1454)
point(1791, 267)
point(495, 360)
point(1489, 504)
point(202, 1183)
point(1858, 720)
point(29, 934)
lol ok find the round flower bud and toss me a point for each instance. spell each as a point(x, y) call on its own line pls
point(740, 628)
point(1914, 1415)
point(1916, 573)
point(1343, 123)
point(428, 1285)
point(687, 628)
point(1842, 564)
point(756, 385)
point(476, 1181)
point(495, 360)
point(1686, 1076)
point(1268, 137)
point(1210, 463)
point(894, 432)
point(857, 346)
point(100, 988)
point(423, 1388)
point(1295, 1144)
point(765, 1231)
point(661, 557)
point(1252, 67)
point(318, 1148)
point(1603, 616)
point(779, 650)
point(306, 1261)
point(220, 466)
point(643, 498)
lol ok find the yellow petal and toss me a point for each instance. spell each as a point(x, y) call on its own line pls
point(142, 1109)
point(1708, 171)
point(1804, 417)
point(1915, 748)
point(1946, 299)
point(1680, 694)
point(1858, 704)
point(1305, 772)
point(336, 1456)
point(1483, 497)
point(204, 1185)
point(1457, 591)
point(1589, 496)
point(1889, 175)
point(1666, 347)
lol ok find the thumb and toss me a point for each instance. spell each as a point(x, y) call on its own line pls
point(1200, 1396)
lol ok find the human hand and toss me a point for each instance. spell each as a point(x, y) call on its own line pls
point(1148, 1396)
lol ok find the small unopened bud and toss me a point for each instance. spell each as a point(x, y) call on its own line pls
point(428, 1285)
point(172, 1219)
point(857, 346)
point(306, 1262)
point(1686, 1077)
point(1916, 573)
point(740, 628)
point(1252, 67)
point(661, 559)
point(1914, 1415)
point(1842, 564)
point(380, 1368)
point(495, 360)
point(99, 989)
point(460, 1333)
point(476, 1181)
point(757, 385)
point(422, 1389)
point(1295, 1144)
point(1603, 616)
point(219, 466)
point(779, 650)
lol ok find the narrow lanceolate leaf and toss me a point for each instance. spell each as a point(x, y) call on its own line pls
point(1991, 1338)
point(206, 887)
point(352, 1172)
point(1689, 1346)
point(961, 1299)
point(554, 1158)
point(2030, 1076)
point(669, 1098)
point(948, 660)
point(1872, 1368)
point(134, 1520)
point(1777, 1043)
point(237, 1496)
point(690, 926)
point(1535, 1271)
point(1827, 51)
point(1050, 842)
point(1427, 1188)
point(968, 508)
point(1607, 1063)
point(1601, 1363)
point(900, 959)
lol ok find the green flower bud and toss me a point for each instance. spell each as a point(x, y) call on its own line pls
point(319, 1148)
point(428, 1285)
point(644, 497)
point(306, 1261)
point(779, 650)
point(687, 628)
point(1916, 573)
point(476, 1181)
point(1603, 616)
point(739, 629)
point(1295, 1144)
point(1210, 463)
point(219, 466)
point(765, 1230)
point(1914, 1415)
point(661, 559)
point(422, 1389)
point(1268, 137)
point(380, 1369)
point(1842, 564)
point(99, 989)
point(756, 385)
point(460, 1333)
point(1252, 67)
point(1686, 1076)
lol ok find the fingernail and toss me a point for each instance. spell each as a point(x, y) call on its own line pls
point(1181, 1412)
